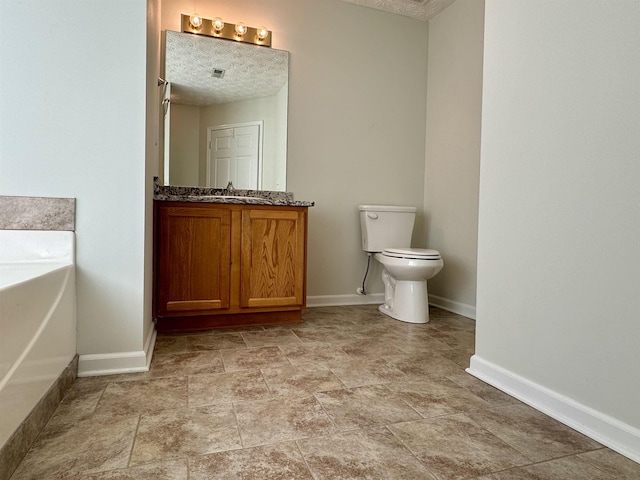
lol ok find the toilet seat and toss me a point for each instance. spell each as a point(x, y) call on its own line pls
point(412, 253)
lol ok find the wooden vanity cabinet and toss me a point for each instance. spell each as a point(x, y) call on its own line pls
point(193, 261)
point(272, 263)
point(228, 265)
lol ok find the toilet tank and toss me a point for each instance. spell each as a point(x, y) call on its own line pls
point(386, 226)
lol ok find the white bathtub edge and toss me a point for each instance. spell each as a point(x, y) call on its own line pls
point(94, 365)
point(37, 245)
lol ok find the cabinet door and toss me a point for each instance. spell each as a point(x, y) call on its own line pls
point(273, 266)
point(194, 258)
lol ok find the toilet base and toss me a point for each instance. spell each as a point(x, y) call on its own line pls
point(409, 302)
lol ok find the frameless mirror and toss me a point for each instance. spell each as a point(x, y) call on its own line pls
point(225, 113)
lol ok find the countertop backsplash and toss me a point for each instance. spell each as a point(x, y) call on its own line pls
point(174, 193)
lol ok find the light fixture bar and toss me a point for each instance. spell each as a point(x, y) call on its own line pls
point(228, 32)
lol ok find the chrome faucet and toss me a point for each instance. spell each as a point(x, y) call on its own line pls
point(229, 189)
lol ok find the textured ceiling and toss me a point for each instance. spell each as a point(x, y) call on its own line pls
point(423, 10)
point(250, 71)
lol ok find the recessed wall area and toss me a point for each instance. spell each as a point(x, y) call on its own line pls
point(452, 165)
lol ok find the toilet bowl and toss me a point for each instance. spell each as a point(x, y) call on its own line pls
point(405, 274)
point(386, 233)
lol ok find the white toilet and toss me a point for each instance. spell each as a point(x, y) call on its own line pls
point(386, 231)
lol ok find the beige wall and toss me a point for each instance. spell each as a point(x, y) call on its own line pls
point(559, 229)
point(273, 176)
point(357, 103)
point(454, 105)
point(184, 146)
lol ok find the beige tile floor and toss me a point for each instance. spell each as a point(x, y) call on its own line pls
point(349, 394)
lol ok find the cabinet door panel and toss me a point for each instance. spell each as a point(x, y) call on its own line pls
point(194, 259)
point(273, 258)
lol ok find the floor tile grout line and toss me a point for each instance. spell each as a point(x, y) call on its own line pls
point(338, 377)
point(327, 414)
point(304, 459)
point(246, 344)
point(95, 409)
point(264, 379)
point(235, 416)
point(503, 438)
point(133, 441)
point(595, 465)
point(408, 449)
point(299, 339)
point(508, 444)
point(285, 356)
point(549, 460)
point(224, 366)
point(405, 402)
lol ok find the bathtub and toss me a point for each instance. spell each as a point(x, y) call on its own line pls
point(37, 318)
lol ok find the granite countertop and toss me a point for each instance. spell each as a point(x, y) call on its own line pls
point(170, 193)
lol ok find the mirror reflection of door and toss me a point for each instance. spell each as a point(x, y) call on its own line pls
point(254, 87)
point(234, 154)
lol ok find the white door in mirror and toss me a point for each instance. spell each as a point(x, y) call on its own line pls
point(234, 155)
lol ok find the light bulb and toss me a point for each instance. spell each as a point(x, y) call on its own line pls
point(262, 33)
point(195, 20)
point(241, 29)
point(217, 24)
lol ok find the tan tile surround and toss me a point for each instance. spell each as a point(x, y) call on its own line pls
point(37, 213)
point(349, 394)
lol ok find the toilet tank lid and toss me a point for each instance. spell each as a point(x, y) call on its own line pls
point(386, 208)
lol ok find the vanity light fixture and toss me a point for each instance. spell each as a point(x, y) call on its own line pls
point(262, 33)
point(241, 29)
point(217, 25)
point(217, 28)
point(195, 21)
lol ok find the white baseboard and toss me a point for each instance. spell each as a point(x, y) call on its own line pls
point(463, 309)
point(340, 300)
point(607, 430)
point(94, 365)
point(150, 344)
point(468, 311)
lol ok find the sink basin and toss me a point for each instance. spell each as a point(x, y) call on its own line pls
point(231, 198)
